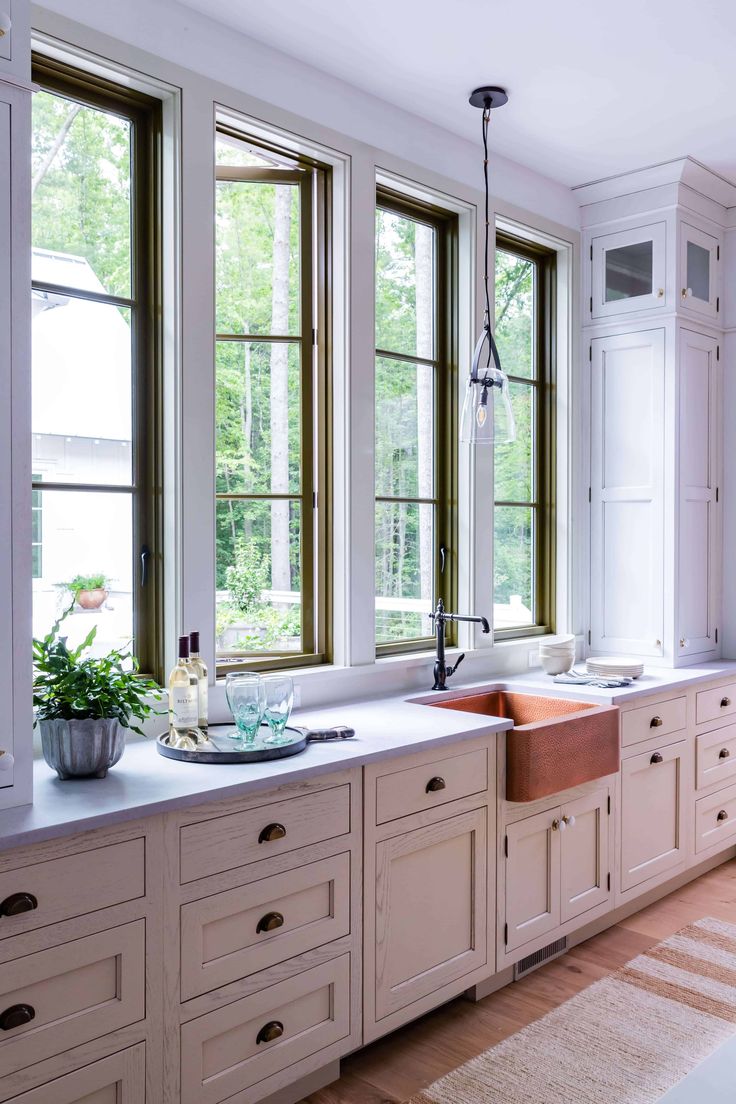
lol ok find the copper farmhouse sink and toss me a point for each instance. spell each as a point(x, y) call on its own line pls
point(555, 743)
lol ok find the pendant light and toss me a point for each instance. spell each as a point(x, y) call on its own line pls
point(487, 416)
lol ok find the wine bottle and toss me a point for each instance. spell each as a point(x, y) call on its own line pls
point(200, 669)
point(183, 697)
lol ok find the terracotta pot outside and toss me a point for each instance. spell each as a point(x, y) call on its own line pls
point(91, 599)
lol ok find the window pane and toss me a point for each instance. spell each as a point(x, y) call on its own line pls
point(404, 285)
point(514, 324)
point(513, 603)
point(87, 541)
point(229, 151)
point(404, 429)
point(404, 570)
point(81, 195)
point(258, 407)
point(257, 258)
point(514, 463)
point(698, 271)
point(629, 271)
point(82, 393)
point(258, 576)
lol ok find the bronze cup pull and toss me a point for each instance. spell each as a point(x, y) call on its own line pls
point(725, 702)
point(656, 758)
point(656, 722)
point(17, 903)
point(435, 784)
point(272, 832)
point(723, 815)
point(724, 753)
point(270, 1031)
point(270, 922)
point(16, 1016)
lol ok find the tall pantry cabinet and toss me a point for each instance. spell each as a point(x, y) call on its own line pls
point(15, 398)
point(654, 343)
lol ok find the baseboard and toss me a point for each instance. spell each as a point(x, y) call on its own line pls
point(312, 1083)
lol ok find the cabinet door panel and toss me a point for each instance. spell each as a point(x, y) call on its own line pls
point(628, 271)
point(532, 878)
point(6, 559)
point(627, 493)
point(584, 854)
point(698, 460)
point(652, 838)
point(119, 1079)
point(698, 271)
point(430, 909)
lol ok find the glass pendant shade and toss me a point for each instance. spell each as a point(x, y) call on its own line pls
point(487, 416)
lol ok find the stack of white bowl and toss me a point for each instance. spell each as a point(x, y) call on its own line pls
point(558, 655)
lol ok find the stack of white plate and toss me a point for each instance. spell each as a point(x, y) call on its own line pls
point(558, 655)
point(614, 667)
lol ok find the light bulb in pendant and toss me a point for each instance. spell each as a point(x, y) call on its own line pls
point(481, 415)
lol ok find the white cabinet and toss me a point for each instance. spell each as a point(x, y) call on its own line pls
point(429, 909)
point(15, 449)
point(698, 283)
point(628, 270)
point(627, 492)
point(15, 47)
point(556, 867)
point(653, 795)
point(697, 586)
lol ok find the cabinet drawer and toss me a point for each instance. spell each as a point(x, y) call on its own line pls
point(234, 934)
point(119, 1079)
point(414, 789)
point(710, 704)
point(238, 839)
point(715, 757)
point(73, 885)
point(652, 721)
point(77, 992)
point(225, 1051)
point(715, 819)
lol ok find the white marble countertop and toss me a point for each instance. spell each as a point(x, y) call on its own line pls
point(144, 783)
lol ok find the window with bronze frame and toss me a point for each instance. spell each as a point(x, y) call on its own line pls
point(524, 514)
point(273, 575)
point(96, 420)
point(416, 438)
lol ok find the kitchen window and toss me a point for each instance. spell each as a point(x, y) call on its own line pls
point(272, 408)
point(416, 449)
point(95, 374)
point(524, 545)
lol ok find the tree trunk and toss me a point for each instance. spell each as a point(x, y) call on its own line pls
point(246, 414)
point(423, 250)
point(280, 567)
point(55, 147)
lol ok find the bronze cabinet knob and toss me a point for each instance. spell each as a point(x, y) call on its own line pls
point(272, 832)
point(725, 702)
point(724, 753)
point(723, 815)
point(656, 758)
point(656, 722)
point(17, 903)
point(270, 1031)
point(270, 922)
point(435, 784)
point(16, 1016)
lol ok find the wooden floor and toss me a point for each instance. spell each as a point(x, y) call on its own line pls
point(393, 1069)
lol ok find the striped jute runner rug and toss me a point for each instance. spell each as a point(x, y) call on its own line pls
point(626, 1039)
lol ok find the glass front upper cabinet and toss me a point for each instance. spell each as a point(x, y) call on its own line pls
point(699, 255)
point(628, 271)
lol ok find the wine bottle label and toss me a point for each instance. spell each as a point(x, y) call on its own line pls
point(183, 706)
point(203, 700)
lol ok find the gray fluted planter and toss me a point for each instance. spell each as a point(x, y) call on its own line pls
point(82, 749)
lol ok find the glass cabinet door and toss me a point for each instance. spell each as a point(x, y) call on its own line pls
point(628, 271)
point(698, 271)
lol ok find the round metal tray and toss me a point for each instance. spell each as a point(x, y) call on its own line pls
point(226, 750)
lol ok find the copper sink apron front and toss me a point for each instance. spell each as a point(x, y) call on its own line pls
point(555, 743)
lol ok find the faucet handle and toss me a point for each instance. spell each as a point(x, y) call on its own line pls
point(458, 661)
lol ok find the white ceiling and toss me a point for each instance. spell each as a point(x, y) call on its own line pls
point(595, 88)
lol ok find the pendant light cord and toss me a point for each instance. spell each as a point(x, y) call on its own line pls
point(485, 121)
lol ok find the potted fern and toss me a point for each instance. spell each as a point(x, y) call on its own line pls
point(90, 591)
point(85, 704)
